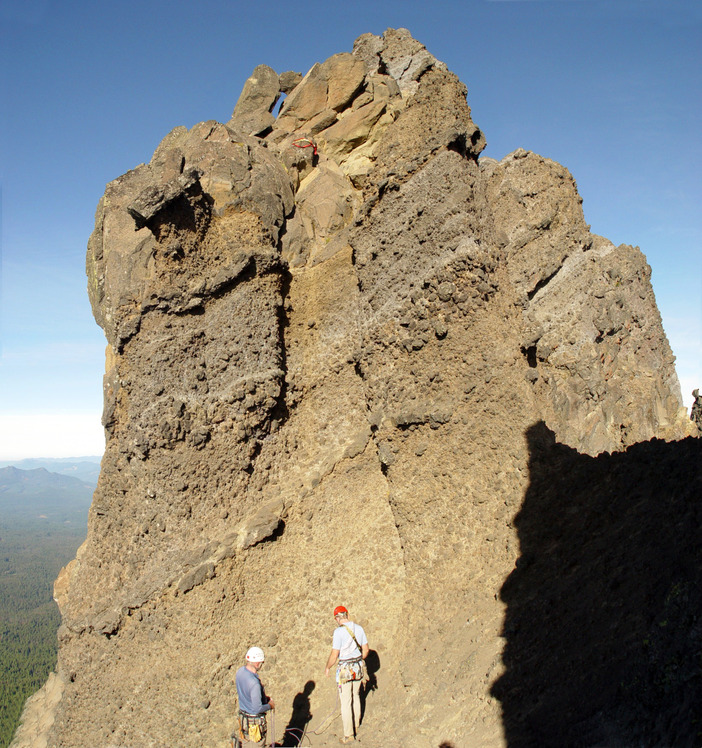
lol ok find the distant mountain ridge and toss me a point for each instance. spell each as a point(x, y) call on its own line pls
point(26, 494)
point(26, 481)
point(85, 468)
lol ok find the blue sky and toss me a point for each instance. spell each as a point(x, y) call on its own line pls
point(611, 89)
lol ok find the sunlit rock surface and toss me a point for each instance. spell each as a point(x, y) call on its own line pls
point(351, 362)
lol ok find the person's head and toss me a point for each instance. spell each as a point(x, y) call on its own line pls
point(255, 658)
point(340, 614)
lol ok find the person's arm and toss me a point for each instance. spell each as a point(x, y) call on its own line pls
point(256, 697)
point(267, 700)
point(364, 651)
point(330, 662)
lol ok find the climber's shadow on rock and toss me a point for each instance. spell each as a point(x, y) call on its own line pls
point(373, 665)
point(300, 717)
point(602, 626)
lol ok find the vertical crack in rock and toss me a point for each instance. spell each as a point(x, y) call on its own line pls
point(372, 422)
point(281, 411)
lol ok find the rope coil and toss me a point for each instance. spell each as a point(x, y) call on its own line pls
point(305, 143)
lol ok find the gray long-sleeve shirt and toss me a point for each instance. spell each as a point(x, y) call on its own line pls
point(252, 698)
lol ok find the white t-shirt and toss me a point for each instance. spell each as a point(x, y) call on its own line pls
point(345, 644)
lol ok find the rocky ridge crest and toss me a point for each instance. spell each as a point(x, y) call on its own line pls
point(331, 333)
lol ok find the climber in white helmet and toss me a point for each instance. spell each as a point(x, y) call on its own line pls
point(253, 702)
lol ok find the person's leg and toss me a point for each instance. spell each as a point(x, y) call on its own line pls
point(356, 703)
point(346, 714)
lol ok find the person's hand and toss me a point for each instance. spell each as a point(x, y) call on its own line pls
point(272, 704)
point(326, 672)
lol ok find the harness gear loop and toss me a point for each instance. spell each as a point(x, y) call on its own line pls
point(252, 727)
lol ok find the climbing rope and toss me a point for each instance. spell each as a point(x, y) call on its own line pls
point(305, 143)
point(298, 734)
point(331, 716)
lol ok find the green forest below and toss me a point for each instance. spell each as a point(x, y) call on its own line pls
point(34, 547)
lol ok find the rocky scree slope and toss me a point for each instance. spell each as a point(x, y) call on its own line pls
point(330, 334)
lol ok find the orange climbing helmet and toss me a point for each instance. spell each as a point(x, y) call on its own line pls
point(340, 610)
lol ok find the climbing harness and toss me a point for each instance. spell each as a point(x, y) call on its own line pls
point(252, 727)
point(305, 143)
point(350, 670)
point(355, 668)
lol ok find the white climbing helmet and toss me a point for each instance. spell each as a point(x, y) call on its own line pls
point(255, 654)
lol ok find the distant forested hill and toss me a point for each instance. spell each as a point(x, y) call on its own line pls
point(86, 469)
point(43, 520)
point(31, 495)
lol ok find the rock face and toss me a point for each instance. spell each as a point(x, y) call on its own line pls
point(696, 410)
point(337, 354)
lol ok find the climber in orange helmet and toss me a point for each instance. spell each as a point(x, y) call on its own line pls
point(350, 649)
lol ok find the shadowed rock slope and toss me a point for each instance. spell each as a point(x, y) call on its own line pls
point(331, 333)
